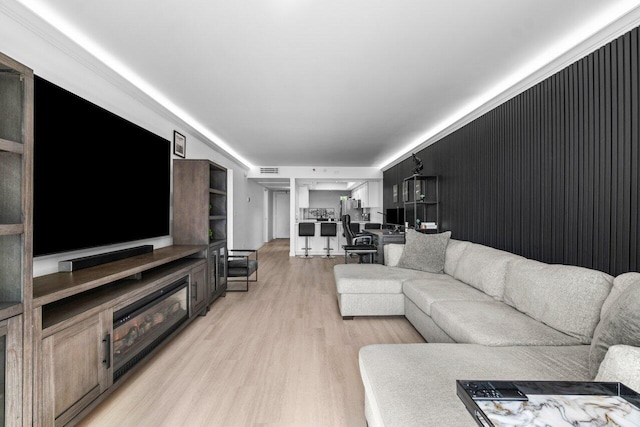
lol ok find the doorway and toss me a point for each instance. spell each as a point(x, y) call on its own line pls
point(281, 215)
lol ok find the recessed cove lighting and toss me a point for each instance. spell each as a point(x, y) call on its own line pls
point(54, 19)
point(545, 64)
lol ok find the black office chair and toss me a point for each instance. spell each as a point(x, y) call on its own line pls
point(355, 227)
point(357, 245)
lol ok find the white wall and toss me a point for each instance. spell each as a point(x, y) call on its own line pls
point(268, 216)
point(29, 40)
point(248, 213)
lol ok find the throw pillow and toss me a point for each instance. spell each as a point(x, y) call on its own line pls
point(424, 252)
point(620, 325)
point(621, 364)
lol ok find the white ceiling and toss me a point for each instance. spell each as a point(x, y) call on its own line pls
point(331, 82)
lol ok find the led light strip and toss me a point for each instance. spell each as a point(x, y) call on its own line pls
point(58, 22)
point(544, 65)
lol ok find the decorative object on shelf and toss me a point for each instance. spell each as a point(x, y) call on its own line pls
point(179, 144)
point(420, 211)
point(418, 164)
point(395, 193)
point(420, 190)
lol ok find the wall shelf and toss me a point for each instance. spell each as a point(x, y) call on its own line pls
point(421, 195)
point(200, 216)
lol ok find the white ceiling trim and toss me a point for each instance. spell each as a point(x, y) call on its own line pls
point(610, 32)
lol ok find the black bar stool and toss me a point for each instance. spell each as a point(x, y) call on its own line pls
point(306, 230)
point(328, 229)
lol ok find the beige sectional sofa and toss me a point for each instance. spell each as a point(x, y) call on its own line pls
point(489, 314)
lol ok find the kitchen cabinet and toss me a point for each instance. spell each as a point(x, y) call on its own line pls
point(368, 194)
point(358, 194)
point(303, 197)
point(373, 195)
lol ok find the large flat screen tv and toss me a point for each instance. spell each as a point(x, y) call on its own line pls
point(98, 178)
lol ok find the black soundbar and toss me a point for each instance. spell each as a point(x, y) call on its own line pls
point(93, 260)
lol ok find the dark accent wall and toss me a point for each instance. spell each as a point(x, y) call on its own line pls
point(552, 174)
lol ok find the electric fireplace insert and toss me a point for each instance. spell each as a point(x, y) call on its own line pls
point(142, 326)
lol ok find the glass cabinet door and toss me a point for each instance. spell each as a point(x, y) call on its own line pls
point(218, 270)
point(222, 278)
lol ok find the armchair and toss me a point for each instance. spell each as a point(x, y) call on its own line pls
point(242, 263)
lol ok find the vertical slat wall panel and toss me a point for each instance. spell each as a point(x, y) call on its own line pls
point(552, 174)
point(634, 118)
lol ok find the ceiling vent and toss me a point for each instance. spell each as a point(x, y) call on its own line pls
point(269, 170)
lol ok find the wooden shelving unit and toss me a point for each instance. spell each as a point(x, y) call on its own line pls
point(200, 216)
point(421, 196)
point(16, 164)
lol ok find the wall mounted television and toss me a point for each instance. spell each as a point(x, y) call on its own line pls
point(98, 179)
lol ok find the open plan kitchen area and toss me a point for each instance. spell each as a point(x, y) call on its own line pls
point(319, 197)
point(323, 207)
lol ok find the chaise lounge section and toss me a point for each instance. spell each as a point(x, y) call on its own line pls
point(487, 314)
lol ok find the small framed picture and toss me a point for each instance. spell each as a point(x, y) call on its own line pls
point(179, 144)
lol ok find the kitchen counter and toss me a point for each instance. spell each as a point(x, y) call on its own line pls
point(317, 243)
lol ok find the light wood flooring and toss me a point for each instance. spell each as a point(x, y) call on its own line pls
point(279, 355)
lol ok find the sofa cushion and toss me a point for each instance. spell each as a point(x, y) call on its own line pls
point(484, 268)
point(621, 364)
point(392, 254)
point(620, 283)
point(410, 385)
point(565, 297)
point(371, 278)
point(621, 325)
point(423, 293)
point(455, 249)
point(494, 323)
point(424, 252)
